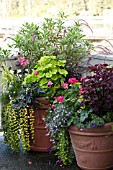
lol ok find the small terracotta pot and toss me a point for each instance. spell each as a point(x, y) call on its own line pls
point(41, 141)
point(93, 147)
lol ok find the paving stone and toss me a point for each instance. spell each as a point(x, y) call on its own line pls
point(29, 161)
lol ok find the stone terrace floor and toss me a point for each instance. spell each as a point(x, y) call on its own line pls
point(29, 161)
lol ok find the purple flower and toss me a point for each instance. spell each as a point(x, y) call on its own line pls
point(48, 149)
point(100, 124)
point(92, 125)
point(59, 162)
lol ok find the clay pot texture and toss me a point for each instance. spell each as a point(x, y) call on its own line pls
point(93, 147)
point(41, 141)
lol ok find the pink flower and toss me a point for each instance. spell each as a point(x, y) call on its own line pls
point(60, 98)
point(82, 78)
point(26, 62)
point(52, 106)
point(36, 72)
point(50, 83)
point(81, 90)
point(29, 162)
point(23, 62)
point(72, 80)
point(64, 86)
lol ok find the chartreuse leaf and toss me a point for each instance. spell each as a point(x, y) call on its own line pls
point(62, 71)
point(49, 74)
point(55, 77)
point(54, 71)
point(43, 82)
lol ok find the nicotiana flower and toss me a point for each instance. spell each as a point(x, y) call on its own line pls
point(64, 86)
point(50, 83)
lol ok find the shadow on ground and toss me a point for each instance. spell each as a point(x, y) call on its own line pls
point(29, 161)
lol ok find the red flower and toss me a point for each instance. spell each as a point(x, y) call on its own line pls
point(29, 162)
point(52, 106)
point(72, 80)
point(60, 98)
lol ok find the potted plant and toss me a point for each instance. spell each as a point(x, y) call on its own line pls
point(48, 74)
point(26, 105)
point(33, 41)
point(84, 109)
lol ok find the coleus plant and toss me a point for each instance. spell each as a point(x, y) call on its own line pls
point(97, 94)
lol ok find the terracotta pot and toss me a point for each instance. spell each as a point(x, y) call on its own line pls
point(41, 141)
point(93, 147)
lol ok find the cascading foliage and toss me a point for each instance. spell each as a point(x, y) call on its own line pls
point(16, 127)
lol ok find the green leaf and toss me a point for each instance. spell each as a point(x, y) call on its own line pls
point(63, 72)
point(49, 74)
point(54, 71)
point(43, 82)
point(83, 116)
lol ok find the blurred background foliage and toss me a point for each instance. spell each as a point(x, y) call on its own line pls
point(50, 8)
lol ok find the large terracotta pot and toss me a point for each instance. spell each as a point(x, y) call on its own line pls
point(41, 141)
point(93, 147)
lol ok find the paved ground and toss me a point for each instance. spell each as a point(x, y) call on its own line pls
point(29, 161)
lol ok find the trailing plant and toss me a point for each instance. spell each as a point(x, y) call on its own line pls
point(17, 111)
point(63, 150)
point(16, 127)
